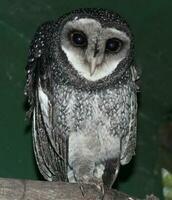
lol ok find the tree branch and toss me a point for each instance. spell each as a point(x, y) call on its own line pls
point(13, 189)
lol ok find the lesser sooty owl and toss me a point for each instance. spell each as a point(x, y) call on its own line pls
point(81, 86)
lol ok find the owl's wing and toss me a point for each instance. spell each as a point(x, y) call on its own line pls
point(49, 146)
point(128, 142)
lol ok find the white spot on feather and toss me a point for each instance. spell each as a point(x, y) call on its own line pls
point(45, 108)
point(34, 126)
point(43, 99)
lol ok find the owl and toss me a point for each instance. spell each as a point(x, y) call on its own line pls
point(82, 91)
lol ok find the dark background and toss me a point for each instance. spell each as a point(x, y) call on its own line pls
point(151, 24)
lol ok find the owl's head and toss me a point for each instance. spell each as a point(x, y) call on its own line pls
point(97, 43)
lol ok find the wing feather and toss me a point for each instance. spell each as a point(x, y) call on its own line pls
point(49, 146)
point(128, 142)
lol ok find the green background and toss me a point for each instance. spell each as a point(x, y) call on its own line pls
point(151, 24)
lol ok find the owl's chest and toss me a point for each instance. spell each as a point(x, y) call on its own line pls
point(95, 121)
point(105, 111)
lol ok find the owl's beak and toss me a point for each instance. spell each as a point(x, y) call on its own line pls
point(93, 66)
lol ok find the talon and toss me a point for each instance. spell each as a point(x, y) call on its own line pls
point(98, 183)
point(82, 188)
point(100, 187)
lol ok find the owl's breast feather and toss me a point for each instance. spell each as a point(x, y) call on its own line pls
point(95, 120)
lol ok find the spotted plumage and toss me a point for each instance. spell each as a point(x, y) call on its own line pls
point(81, 86)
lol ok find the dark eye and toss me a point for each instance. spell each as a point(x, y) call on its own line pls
point(78, 39)
point(113, 45)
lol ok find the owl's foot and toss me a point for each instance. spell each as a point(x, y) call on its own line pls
point(95, 182)
point(98, 183)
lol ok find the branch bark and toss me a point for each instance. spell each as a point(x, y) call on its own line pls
point(13, 189)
